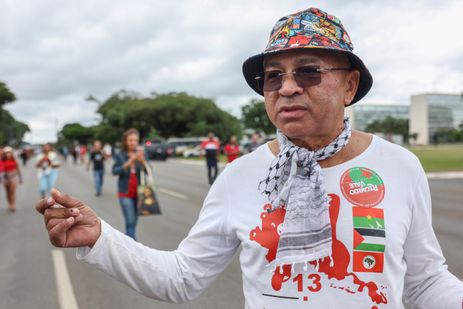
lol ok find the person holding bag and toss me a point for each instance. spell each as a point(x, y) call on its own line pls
point(128, 164)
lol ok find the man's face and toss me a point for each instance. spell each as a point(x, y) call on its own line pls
point(314, 112)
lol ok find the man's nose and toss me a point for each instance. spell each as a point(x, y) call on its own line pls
point(289, 86)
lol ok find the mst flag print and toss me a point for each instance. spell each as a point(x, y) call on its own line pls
point(369, 241)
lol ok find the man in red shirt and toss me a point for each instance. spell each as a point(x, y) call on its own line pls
point(232, 149)
point(211, 148)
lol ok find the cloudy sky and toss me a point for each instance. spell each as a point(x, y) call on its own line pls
point(54, 53)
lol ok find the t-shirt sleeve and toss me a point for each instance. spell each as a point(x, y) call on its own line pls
point(428, 283)
point(174, 276)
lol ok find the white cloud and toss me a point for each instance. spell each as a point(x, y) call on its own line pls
point(53, 54)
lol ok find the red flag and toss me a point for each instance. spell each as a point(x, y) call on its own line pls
point(368, 261)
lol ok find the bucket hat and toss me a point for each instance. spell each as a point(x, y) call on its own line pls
point(311, 28)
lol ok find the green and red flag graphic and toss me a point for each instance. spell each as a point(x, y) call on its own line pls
point(369, 239)
point(362, 187)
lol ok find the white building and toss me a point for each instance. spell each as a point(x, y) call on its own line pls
point(361, 114)
point(430, 112)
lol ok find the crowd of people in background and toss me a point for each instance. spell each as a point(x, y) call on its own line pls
point(129, 163)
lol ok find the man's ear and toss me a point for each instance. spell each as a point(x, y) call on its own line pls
point(352, 84)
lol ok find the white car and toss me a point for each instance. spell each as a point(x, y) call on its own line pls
point(192, 152)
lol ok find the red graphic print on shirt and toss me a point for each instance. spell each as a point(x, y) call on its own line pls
point(334, 267)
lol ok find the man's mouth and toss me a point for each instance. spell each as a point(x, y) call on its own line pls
point(292, 111)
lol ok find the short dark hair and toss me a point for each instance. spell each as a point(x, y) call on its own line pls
point(125, 135)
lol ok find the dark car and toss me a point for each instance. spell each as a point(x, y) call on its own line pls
point(158, 150)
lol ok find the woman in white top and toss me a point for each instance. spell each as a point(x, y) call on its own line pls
point(47, 164)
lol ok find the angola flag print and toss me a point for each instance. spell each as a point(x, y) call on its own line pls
point(369, 241)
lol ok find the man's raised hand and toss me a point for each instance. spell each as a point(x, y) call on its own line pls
point(70, 223)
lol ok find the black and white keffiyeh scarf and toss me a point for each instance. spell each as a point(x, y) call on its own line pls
point(295, 182)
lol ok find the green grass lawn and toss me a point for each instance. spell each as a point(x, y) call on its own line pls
point(440, 158)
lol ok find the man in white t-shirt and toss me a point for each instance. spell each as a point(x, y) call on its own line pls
point(326, 217)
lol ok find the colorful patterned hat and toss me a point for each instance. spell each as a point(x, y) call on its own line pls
point(311, 28)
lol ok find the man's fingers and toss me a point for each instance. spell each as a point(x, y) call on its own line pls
point(44, 204)
point(65, 199)
point(60, 213)
point(57, 233)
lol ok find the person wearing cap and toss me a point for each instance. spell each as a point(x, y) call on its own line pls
point(11, 176)
point(325, 216)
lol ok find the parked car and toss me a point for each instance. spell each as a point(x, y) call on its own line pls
point(181, 144)
point(158, 150)
point(192, 152)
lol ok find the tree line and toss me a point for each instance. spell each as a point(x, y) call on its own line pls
point(12, 131)
point(165, 115)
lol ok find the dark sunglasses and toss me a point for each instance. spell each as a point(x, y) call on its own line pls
point(304, 77)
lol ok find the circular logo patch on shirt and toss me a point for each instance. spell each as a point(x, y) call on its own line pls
point(369, 262)
point(362, 187)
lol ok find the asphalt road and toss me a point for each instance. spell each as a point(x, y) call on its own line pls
point(26, 259)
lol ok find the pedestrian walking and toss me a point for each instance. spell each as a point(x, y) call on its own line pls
point(323, 216)
point(108, 150)
point(232, 149)
point(47, 164)
point(128, 165)
point(75, 153)
point(65, 153)
point(11, 176)
point(97, 159)
point(24, 156)
point(1, 165)
point(82, 153)
point(254, 144)
point(211, 150)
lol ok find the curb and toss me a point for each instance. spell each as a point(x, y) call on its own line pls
point(194, 162)
point(430, 175)
point(445, 175)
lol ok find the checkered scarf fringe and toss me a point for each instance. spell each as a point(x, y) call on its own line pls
point(295, 182)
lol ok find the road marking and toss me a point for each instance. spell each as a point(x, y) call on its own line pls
point(173, 193)
point(66, 297)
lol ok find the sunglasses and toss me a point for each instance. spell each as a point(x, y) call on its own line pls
point(304, 77)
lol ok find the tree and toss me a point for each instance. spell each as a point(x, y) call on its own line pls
point(254, 116)
point(75, 132)
point(6, 96)
point(447, 136)
point(390, 126)
point(171, 114)
point(11, 130)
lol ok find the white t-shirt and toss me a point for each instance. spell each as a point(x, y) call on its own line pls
point(384, 247)
point(47, 165)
